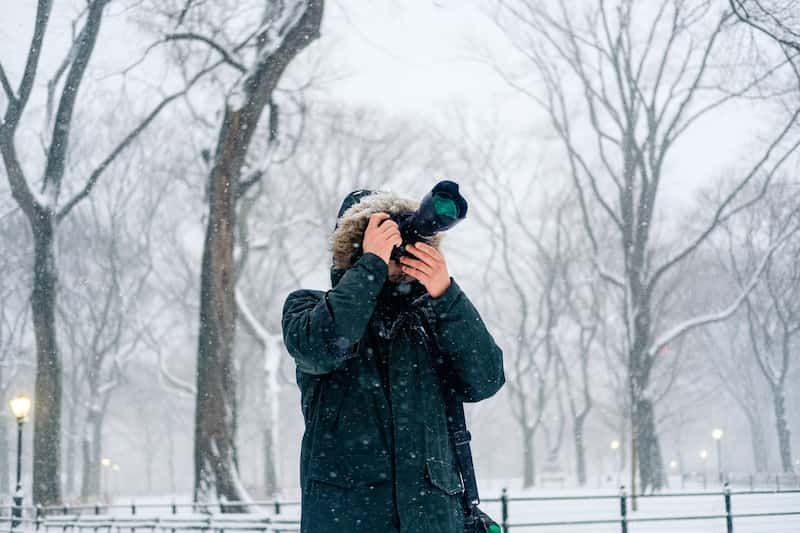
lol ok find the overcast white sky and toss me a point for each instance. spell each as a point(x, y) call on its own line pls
point(414, 59)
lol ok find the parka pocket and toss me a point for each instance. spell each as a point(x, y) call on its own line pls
point(350, 470)
point(444, 476)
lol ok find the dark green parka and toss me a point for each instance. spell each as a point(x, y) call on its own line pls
point(376, 456)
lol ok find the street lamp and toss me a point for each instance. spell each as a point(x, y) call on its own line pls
point(106, 462)
point(615, 446)
point(20, 406)
point(717, 434)
point(704, 456)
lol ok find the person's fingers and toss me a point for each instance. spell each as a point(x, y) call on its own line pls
point(416, 264)
point(376, 218)
point(392, 234)
point(388, 225)
point(397, 240)
point(428, 250)
point(422, 255)
point(422, 277)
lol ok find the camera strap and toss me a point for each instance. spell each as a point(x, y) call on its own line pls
point(456, 424)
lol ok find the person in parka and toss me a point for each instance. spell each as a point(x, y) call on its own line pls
point(372, 355)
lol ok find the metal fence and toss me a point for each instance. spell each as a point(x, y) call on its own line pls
point(270, 516)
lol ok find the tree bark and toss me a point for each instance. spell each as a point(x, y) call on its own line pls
point(580, 450)
point(758, 443)
point(215, 457)
point(782, 428)
point(529, 458)
point(47, 402)
point(92, 455)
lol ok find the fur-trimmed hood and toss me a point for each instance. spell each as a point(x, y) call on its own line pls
point(346, 239)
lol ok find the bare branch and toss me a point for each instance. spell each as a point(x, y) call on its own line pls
point(726, 313)
point(95, 175)
point(227, 56)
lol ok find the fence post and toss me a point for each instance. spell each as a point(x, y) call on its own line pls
point(97, 508)
point(623, 508)
point(133, 507)
point(728, 515)
point(504, 509)
point(277, 506)
point(38, 515)
point(174, 508)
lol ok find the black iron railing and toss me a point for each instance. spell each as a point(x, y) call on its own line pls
point(269, 516)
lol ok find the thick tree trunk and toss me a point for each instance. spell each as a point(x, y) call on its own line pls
point(47, 403)
point(215, 457)
point(529, 459)
point(651, 470)
point(216, 463)
point(782, 427)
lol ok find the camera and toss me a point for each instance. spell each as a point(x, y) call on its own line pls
point(441, 209)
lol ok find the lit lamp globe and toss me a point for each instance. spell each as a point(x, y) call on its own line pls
point(703, 455)
point(105, 461)
point(673, 464)
point(21, 406)
point(717, 434)
point(615, 444)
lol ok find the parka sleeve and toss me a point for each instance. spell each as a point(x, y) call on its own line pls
point(319, 328)
point(472, 359)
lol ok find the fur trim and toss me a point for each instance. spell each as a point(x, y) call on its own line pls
point(346, 239)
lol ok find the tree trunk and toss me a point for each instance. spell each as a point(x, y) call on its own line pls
point(5, 474)
point(216, 463)
point(215, 457)
point(47, 402)
point(758, 443)
point(529, 460)
point(580, 450)
point(92, 456)
point(272, 357)
point(270, 464)
point(648, 449)
point(782, 427)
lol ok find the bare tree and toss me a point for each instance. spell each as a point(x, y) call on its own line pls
point(645, 75)
point(258, 55)
point(772, 310)
point(40, 204)
point(779, 19)
point(738, 374)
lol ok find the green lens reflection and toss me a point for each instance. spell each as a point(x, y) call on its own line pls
point(445, 206)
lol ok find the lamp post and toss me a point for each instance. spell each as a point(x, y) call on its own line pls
point(718, 434)
point(20, 406)
point(106, 463)
point(704, 457)
point(615, 445)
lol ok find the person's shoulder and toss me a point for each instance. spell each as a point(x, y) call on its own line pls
point(302, 297)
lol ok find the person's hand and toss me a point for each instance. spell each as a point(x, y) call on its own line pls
point(381, 236)
point(429, 268)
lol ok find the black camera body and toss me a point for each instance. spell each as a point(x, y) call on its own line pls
point(441, 209)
